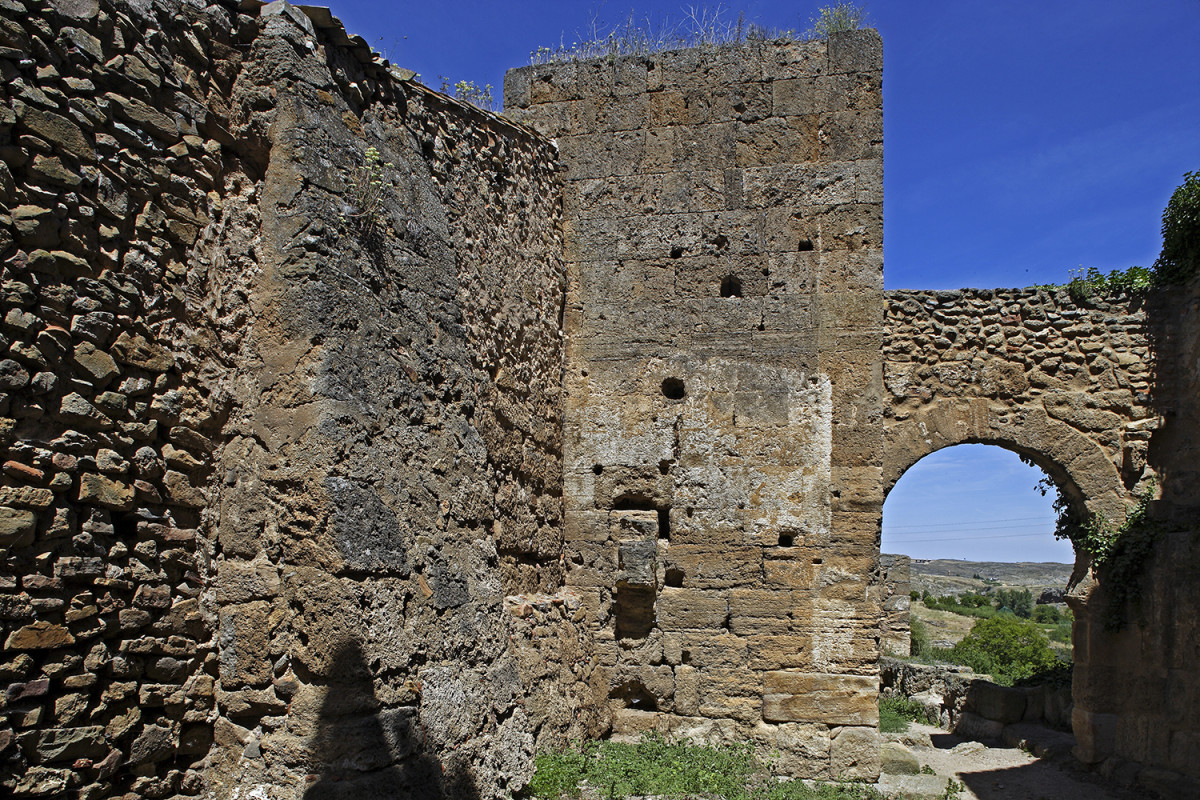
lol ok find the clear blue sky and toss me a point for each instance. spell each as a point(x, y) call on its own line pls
point(1021, 140)
point(973, 501)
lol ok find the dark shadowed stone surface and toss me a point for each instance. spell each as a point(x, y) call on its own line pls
point(368, 533)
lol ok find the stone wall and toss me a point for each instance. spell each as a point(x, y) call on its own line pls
point(275, 453)
point(1066, 384)
point(895, 631)
point(1100, 393)
point(114, 142)
point(1137, 689)
point(358, 441)
point(722, 446)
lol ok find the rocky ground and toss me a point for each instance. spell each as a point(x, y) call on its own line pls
point(1034, 764)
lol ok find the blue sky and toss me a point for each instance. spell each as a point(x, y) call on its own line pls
point(985, 509)
point(1021, 140)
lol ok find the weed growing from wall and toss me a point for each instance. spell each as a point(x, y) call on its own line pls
point(1093, 283)
point(469, 92)
point(702, 26)
point(368, 188)
point(837, 18)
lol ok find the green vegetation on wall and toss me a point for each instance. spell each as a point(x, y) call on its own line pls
point(837, 18)
point(368, 187)
point(1178, 262)
point(703, 26)
point(470, 92)
point(1119, 555)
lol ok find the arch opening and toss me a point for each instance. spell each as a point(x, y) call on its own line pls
point(976, 487)
point(972, 527)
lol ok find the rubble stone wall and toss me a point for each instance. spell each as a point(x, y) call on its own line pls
point(723, 427)
point(1067, 384)
point(115, 156)
point(1137, 686)
point(1100, 393)
point(276, 450)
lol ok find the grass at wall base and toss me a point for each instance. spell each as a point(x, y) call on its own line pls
point(666, 768)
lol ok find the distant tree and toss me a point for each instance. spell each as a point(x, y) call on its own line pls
point(1046, 614)
point(1016, 601)
point(972, 600)
point(918, 637)
point(1022, 603)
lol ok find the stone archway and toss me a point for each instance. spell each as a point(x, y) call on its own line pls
point(1078, 466)
point(1074, 461)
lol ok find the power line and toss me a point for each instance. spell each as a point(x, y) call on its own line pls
point(974, 538)
point(966, 522)
point(1042, 526)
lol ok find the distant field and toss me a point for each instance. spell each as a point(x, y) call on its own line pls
point(944, 576)
point(947, 576)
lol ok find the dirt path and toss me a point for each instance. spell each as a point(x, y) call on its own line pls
point(1008, 773)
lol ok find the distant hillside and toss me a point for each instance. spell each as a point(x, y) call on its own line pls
point(948, 576)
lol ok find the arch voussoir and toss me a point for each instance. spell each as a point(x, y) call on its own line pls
point(1062, 451)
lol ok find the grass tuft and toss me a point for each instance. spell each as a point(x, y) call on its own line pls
point(896, 713)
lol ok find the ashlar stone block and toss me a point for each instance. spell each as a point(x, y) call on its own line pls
point(820, 697)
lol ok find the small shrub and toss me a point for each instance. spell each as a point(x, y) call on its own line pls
point(918, 637)
point(1093, 283)
point(468, 92)
point(368, 187)
point(1061, 632)
point(837, 18)
point(1007, 648)
point(1046, 614)
point(953, 787)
